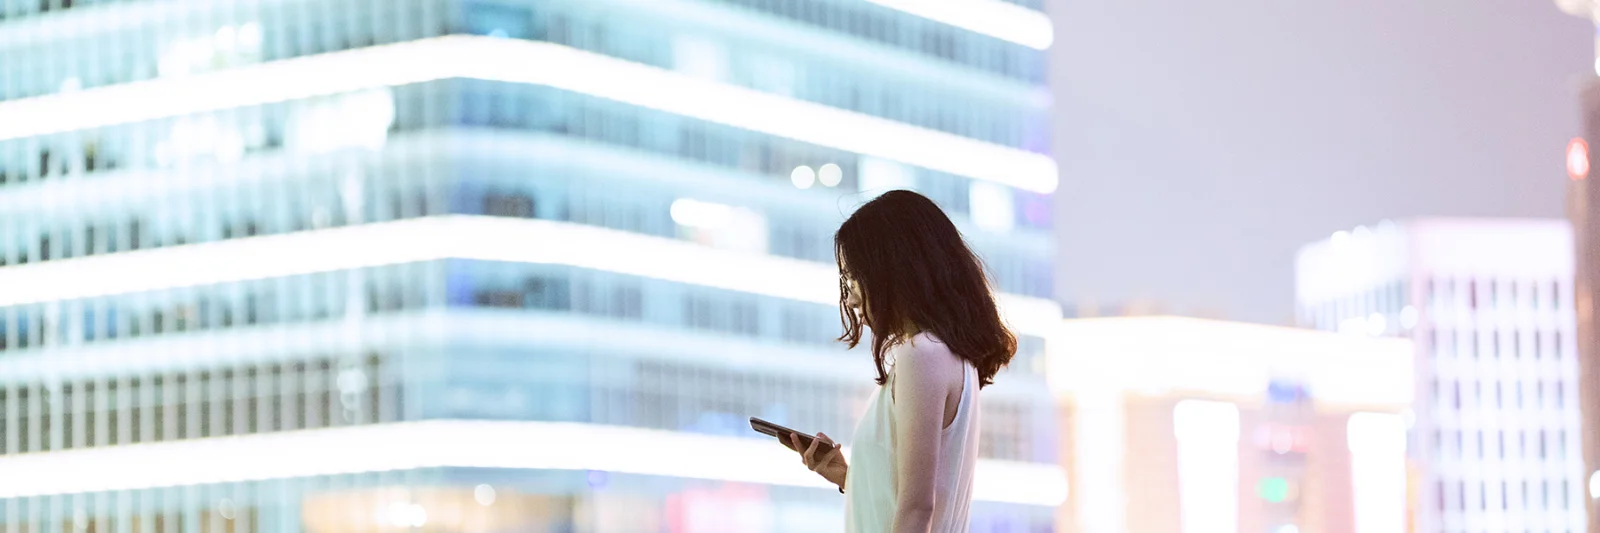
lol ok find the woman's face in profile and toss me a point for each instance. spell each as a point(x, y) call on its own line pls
point(852, 297)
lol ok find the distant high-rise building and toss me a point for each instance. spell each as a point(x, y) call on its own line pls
point(1200, 426)
point(487, 265)
point(1489, 307)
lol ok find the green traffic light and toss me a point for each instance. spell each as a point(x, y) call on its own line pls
point(1273, 489)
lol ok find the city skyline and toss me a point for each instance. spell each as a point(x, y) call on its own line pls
point(488, 265)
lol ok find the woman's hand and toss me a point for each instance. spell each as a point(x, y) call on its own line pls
point(823, 457)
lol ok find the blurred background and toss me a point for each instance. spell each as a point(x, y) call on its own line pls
point(530, 265)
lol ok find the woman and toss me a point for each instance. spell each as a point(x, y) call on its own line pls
point(937, 337)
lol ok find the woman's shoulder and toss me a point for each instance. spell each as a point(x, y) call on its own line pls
point(929, 353)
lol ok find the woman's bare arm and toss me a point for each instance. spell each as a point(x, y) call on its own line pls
point(924, 374)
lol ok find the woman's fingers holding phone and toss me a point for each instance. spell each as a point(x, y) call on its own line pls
point(808, 455)
point(828, 457)
point(813, 460)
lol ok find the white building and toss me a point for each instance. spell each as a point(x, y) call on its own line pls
point(487, 265)
point(1488, 304)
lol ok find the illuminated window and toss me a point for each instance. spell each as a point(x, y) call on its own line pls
point(992, 206)
point(700, 57)
point(1377, 444)
point(721, 226)
point(1208, 434)
point(1439, 493)
point(495, 20)
point(1467, 294)
point(347, 121)
point(775, 75)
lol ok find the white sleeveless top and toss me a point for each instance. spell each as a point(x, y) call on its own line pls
point(871, 485)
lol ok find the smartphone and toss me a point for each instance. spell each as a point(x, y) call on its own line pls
point(781, 433)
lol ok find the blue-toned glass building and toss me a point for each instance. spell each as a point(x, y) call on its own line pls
point(487, 265)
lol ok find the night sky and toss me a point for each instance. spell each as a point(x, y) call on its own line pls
point(1202, 142)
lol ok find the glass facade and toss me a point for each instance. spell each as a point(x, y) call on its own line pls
point(226, 236)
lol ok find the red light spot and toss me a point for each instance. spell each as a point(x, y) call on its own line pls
point(1578, 159)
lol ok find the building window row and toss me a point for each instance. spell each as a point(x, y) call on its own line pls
point(13, 10)
point(909, 33)
point(322, 392)
point(681, 396)
point(289, 300)
point(315, 392)
point(91, 238)
point(287, 32)
point(1443, 296)
point(325, 297)
point(1505, 495)
point(506, 106)
point(1516, 344)
point(1541, 445)
point(151, 510)
point(1504, 294)
point(514, 285)
point(789, 72)
point(1504, 396)
point(1388, 301)
point(302, 128)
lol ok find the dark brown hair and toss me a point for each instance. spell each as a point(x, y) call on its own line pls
point(915, 271)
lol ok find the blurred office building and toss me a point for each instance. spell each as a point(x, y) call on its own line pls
point(487, 265)
point(1489, 307)
point(1200, 426)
